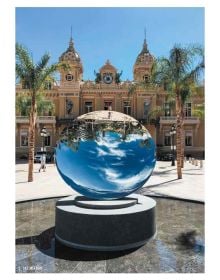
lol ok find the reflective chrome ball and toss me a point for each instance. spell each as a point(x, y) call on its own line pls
point(105, 155)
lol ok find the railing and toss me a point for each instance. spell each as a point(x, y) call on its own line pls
point(163, 148)
point(60, 121)
point(46, 118)
point(92, 85)
point(172, 119)
point(40, 119)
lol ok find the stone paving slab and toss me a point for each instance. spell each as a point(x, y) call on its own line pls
point(45, 184)
point(163, 182)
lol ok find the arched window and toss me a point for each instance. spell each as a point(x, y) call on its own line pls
point(146, 78)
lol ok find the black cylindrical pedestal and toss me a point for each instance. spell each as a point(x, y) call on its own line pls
point(105, 225)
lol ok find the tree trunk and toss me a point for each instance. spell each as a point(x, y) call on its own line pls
point(182, 136)
point(182, 147)
point(31, 137)
point(178, 136)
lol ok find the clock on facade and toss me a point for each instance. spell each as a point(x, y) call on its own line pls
point(69, 77)
point(107, 78)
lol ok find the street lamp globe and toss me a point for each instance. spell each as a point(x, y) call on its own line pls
point(43, 132)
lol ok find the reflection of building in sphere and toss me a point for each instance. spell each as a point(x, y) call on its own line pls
point(104, 158)
point(84, 132)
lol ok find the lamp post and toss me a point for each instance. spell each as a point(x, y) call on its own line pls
point(172, 134)
point(43, 134)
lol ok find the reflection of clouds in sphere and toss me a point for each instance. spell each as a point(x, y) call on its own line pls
point(108, 162)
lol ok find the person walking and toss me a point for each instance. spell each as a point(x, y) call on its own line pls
point(42, 162)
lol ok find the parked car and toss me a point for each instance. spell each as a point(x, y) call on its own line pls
point(24, 156)
point(165, 157)
point(37, 157)
point(49, 157)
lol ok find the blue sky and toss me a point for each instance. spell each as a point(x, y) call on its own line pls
point(99, 34)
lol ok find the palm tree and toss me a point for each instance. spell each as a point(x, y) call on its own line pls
point(199, 111)
point(23, 105)
point(178, 74)
point(34, 76)
point(188, 91)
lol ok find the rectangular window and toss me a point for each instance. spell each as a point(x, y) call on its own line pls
point(127, 107)
point(188, 109)
point(24, 138)
point(48, 85)
point(167, 111)
point(167, 139)
point(88, 106)
point(47, 141)
point(188, 139)
point(108, 105)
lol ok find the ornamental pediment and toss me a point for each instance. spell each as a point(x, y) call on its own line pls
point(108, 67)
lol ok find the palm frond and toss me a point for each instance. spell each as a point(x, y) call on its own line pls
point(194, 74)
point(23, 104)
point(199, 111)
point(43, 63)
point(157, 112)
point(43, 75)
point(23, 57)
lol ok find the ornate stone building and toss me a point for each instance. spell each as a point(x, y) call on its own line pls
point(72, 97)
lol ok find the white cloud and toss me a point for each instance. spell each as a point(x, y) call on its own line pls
point(117, 152)
point(118, 163)
point(111, 146)
point(108, 142)
point(134, 137)
point(101, 152)
point(113, 177)
point(110, 173)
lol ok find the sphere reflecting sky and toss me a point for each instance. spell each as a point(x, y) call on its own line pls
point(105, 155)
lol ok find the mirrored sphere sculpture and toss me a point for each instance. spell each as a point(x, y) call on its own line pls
point(105, 155)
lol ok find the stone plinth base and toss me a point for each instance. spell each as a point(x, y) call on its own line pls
point(114, 225)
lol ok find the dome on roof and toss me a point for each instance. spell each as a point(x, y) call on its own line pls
point(70, 54)
point(108, 67)
point(144, 56)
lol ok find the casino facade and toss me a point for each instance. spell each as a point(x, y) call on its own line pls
point(73, 96)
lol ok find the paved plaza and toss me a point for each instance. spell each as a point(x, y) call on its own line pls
point(37, 249)
point(163, 182)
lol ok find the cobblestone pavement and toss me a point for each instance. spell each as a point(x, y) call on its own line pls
point(162, 182)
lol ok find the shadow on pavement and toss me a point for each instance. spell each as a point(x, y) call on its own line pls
point(159, 184)
point(48, 245)
point(21, 182)
point(162, 172)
